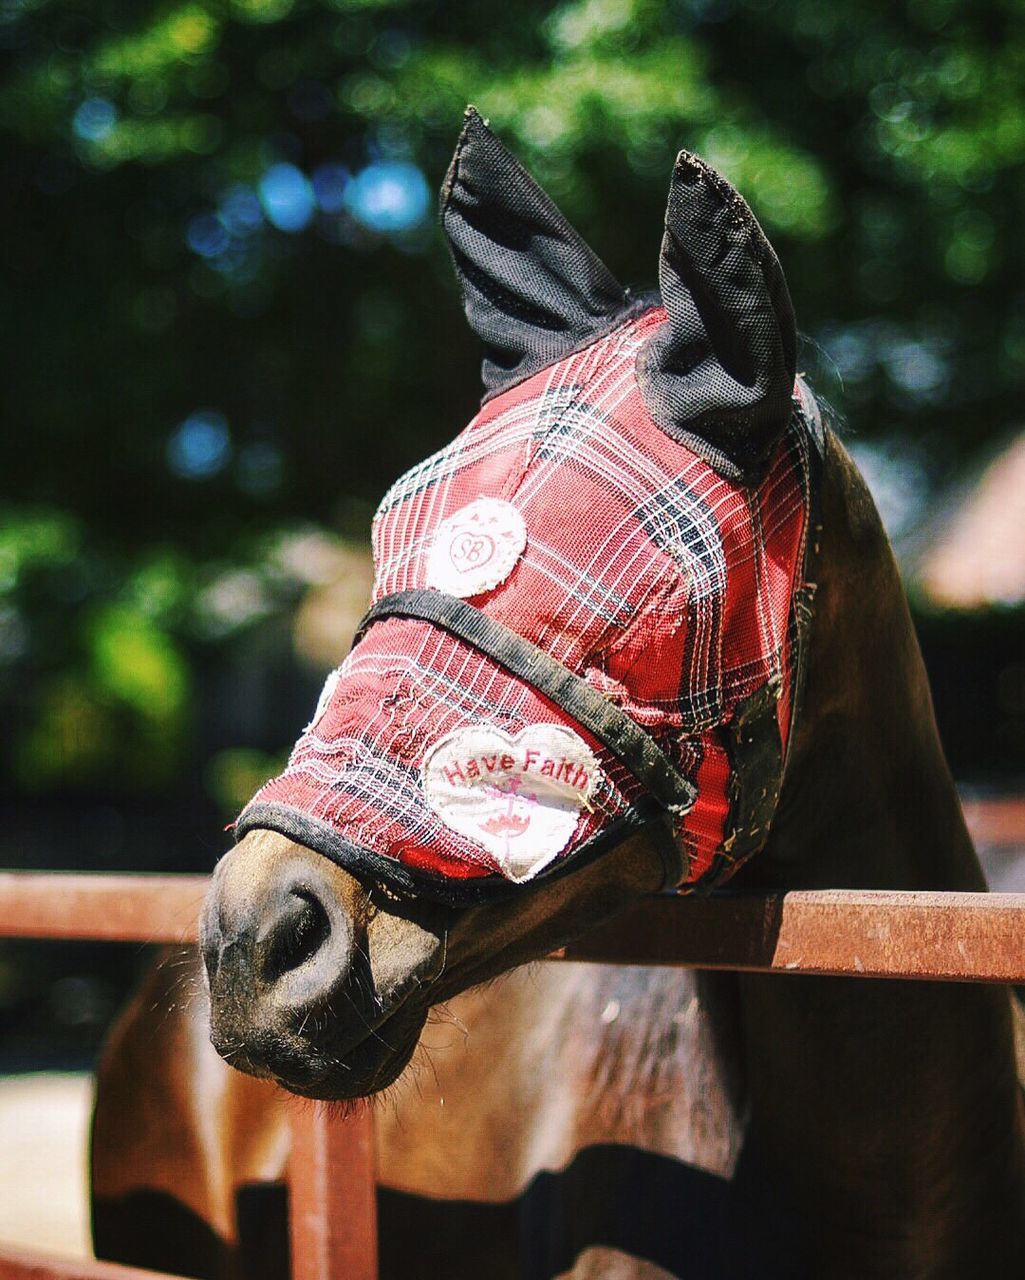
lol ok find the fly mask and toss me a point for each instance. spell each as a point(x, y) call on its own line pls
point(589, 607)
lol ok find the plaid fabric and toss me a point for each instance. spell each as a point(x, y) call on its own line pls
point(668, 588)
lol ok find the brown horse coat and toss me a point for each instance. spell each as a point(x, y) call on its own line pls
point(593, 1121)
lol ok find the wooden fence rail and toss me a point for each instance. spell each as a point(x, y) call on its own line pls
point(957, 937)
point(952, 937)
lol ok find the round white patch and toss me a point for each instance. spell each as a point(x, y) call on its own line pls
point(519, 798)
point(477, 548)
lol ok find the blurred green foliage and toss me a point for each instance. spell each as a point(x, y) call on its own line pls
point(236, 773)
point(224, 309)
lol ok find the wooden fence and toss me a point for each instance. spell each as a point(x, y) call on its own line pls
point(958, 937)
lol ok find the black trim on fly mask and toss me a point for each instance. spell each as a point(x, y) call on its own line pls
point(719, 374)
point(532, 289)
point(612, 727)
point(365, 864)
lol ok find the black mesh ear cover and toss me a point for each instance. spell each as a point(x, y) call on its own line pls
point(720, 375)
point(532, 289)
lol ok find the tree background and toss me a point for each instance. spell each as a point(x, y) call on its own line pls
point(228, 322)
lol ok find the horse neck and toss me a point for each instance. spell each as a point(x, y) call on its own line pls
point(868, 800)
point(887, 1111)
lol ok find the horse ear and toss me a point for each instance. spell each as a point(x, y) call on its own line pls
point(531, 287)
point(719, 375)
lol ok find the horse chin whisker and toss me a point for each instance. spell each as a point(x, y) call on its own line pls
point(442, 1015)
point(423, 1051)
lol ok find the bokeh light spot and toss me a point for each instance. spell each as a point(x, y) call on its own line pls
point(200, 446)
point(240, 210)
point(389, 196)
point(287, 197)
point(207, 236)
point(94, 119)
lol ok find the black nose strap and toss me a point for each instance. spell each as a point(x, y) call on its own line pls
point(612, 727)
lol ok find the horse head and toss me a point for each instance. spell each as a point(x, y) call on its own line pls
point(578, 679)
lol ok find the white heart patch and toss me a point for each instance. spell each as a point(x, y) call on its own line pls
point(518, 797)
point(477, 548)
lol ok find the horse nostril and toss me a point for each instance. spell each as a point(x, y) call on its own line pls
point(298, 933)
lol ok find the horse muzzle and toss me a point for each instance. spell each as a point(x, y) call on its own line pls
point(309, 983)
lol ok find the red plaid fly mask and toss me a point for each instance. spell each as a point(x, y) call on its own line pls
point(589, 606)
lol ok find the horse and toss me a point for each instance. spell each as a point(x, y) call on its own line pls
point(589, 1120)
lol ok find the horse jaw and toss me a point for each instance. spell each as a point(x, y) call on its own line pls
point(324, 984)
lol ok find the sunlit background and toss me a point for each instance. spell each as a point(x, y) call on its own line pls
point(228, 322)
